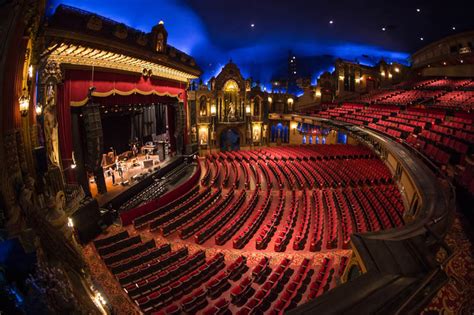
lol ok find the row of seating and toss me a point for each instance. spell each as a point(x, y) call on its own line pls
point(200, 221)
point(216, 224)
point(144, 220)
point(236, 223)
point(243, 237)
point(160, 217)
point(183, 218)
point(267, 232)
point(303, 231)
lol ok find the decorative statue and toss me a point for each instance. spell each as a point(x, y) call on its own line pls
point(256, 135)
point(51, 125)
point(231, 113)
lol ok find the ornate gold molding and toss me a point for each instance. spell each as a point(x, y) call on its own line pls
point(86, 56)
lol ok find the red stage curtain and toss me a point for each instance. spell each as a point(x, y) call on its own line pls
point(107, 84)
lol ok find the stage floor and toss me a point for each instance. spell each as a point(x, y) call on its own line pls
point(115, 190)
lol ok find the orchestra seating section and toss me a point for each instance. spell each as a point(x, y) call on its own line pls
point(264, 231)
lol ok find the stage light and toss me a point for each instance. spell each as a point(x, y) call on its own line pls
point(24, 103)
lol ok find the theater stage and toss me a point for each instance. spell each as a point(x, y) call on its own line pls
point(130, 171)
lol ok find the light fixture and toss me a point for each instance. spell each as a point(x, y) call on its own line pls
point(357, 80)
point(161, 22)
point(252, 25)
point(397, 70)
point(341, 77)
point(38, 109)
point(422, 39)
point(270, 99)
point(318, 93)
point(461, 61)
point(70, 223)
point(24, 102)
point(290, 101)
point(384, 29)
point(213, 110)
point(73, 165)
point(294, 72)
point(331, 22)
point(30, 71)
point(390, 75)
point(444, 63)
point(453, 28)
point(418, 10)
point(382, 73)
point(247, 110)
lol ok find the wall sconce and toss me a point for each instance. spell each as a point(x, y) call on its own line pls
point(290, 101)
point(38, 109)
point(341, 77)
point(270, 100)
point(30, 72)
point(247, 110)
point(73, 165)
point(397, 70)
point(213, 110)
point(390, 75)
point(382, 73)
point(24, 102)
